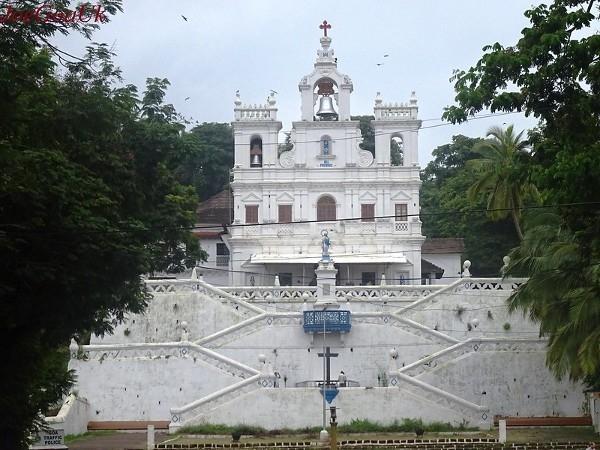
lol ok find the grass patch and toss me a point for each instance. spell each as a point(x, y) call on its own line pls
point(403, 426)
point(356, 426)
point(212, 429)
point(69, 438)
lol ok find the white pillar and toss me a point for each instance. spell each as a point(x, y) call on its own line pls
point(150, 438)
point(502, 431)
point(326, 296)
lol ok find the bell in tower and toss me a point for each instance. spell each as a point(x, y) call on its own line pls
point(326, 110)
point(256, 152)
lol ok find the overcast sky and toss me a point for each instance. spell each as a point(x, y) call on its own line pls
point(259, 45)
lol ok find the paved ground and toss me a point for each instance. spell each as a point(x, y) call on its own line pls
point(114, 441)
point(137, 440)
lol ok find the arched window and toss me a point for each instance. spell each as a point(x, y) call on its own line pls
point(397, 151)
point(325, 145)
point(256, 152)
point(326, 208)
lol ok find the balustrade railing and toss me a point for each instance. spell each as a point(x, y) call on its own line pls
point(255, 112)
point(179, 416)
point(166, 350)
point(389, 293)
point(395, 111)
point(273, 293)
point(222, 260)
point(400, 226)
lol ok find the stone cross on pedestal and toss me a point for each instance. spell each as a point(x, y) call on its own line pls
point(328, 355)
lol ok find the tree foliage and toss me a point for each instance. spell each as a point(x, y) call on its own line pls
point(501, 175)
point(553, 73)
point(447, 212)
point(89, 202)
point(367, 131)
point(368, 134)
point(208, 158)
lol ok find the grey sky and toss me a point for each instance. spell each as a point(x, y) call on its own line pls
point(259, 45)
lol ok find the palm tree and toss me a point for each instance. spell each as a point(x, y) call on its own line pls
point(501, 175)
point(561, 294)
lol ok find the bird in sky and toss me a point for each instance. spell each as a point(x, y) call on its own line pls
point(186, 99)
point(184, 18)
point(380, 64)
point(386, 55)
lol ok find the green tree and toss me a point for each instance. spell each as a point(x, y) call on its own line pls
point(208, 158)
point(501, 175)
point(553, 73)
point(367, 131)
point(561, 295)
point(447, 212)
point(89, 203)
point(368, 134)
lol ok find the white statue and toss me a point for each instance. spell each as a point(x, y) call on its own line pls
point(325, 244)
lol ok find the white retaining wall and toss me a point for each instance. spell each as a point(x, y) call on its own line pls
point(73, 416)
point(452, 345)
point(300, 407)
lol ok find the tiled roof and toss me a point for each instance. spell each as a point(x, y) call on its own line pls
point(443, 245)
point(218, 209)
point(427, 267)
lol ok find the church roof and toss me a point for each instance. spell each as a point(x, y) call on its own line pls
point(217, 209)
point(427, 267)
point(443, 245)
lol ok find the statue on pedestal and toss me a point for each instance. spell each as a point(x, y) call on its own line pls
point(325, 244)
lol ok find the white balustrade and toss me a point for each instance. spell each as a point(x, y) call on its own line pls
point(102, 352)
point(255, 112)
point(179, 416)
point(389, 111)
point(401, 226)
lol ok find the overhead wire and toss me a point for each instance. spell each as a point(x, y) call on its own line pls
point(444, 124)
point(18, 228)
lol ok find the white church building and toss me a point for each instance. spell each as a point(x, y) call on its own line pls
point(260, 354)
point(280, 202)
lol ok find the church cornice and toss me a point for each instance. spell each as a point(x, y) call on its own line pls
point(325, 124)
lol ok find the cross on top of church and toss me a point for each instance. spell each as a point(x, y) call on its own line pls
point(325, 26)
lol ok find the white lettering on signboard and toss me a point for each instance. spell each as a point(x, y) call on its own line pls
point(54, 438)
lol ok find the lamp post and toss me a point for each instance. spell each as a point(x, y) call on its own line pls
point(324, 435)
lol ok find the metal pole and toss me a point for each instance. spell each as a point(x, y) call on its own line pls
point(324, 373)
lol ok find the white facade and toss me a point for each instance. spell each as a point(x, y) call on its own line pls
point(325, 177)
point(439, 353)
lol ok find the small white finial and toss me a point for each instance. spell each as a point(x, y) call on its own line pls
point(185, 335)
point(194, 275)
point(413, 98)
point(382, 283)
point(504, 268)
point(73, 348)
point(262, 358)
point(378, 99)
point(277, 280)
point(393, 367)
point(466, 266)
